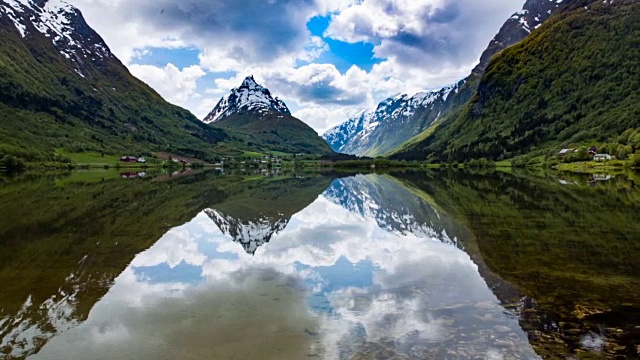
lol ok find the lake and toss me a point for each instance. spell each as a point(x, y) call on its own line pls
point(397, 265)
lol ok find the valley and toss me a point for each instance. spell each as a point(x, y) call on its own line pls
point(339, 180)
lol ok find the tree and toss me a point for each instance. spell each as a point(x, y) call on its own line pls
point(622, 153)
point(12, 163)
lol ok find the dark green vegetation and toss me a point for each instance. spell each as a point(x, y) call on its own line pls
point(280, 196)
point(575, 80)
point(45, 104)
point(255, 212)
point(273, 132)
point(572, 248)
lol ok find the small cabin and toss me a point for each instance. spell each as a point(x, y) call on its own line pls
point(129, 159)
point(142, 160)
point(602, 157)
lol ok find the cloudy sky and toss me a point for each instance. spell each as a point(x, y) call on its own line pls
point(327, 59)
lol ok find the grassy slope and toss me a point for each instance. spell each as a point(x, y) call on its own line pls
point(273, 132)
point(575, 79)
point(44, 105)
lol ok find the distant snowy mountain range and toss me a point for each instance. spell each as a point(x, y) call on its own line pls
point(249, 97)
point(378, 131)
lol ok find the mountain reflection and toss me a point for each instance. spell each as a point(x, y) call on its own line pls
point(312, 278)
point(394, 207)
point(254, 214)
point(367, 266)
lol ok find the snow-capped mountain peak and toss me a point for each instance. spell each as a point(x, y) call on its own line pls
point(249, 97)
point(250, 83)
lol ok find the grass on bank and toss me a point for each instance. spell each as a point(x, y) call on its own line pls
point(90, 158)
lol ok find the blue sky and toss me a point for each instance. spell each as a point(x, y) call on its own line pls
point(327, 59)
point(342, 54)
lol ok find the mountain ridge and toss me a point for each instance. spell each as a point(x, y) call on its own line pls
point(390, 134)
point(361, 135)
point(571, 82)
point(62, 88)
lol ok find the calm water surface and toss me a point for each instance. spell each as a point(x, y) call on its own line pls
point(444, 265)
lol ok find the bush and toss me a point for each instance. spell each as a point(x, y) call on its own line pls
point(12, 163)
point(623, 152)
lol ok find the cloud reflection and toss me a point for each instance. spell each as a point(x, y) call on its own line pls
point(333, 283)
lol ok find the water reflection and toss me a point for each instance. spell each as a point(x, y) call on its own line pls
point(334, 282)
point(369, 266)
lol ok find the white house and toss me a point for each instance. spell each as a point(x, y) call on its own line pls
point(602, 157)
point(141, 159)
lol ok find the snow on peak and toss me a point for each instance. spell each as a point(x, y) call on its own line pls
point(250, 233)
point(249, 83)
point(392, 207)
point(59, 21)
point(356, 132)
point(249, 97)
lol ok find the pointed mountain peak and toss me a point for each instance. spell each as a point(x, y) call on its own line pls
point(249, 82)
point(250, 97)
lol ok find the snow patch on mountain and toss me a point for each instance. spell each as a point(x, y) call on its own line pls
point(394, 208)
point(353, 135)
point(250, 233)
point(534, 13)
point(249, 97)
point(59, 21)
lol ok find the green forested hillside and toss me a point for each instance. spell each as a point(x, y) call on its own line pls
point(48, 101)
point(575, 80)
point(273, 132)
